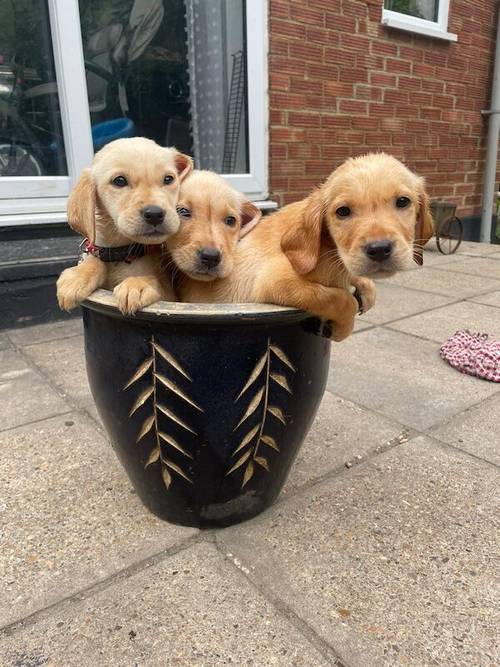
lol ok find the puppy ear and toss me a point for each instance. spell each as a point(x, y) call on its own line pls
point(301, 242)
point(81, 206)
point(424, 229)
point(251, 215)
point(183, 164)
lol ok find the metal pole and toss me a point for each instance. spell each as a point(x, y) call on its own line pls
point(492, 148)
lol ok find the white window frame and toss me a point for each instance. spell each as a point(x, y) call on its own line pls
point(438, 29)
point(35, 200)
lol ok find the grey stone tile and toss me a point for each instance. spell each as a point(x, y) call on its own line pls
point(193, 609)
point(4, 342)
point(41, 333)
point(68, 515)
point(341, 433)
point(437, 281)
point(12, 365)
point(392, 563)
point(491, 299)
point(475, 266)
point(475, 430)
point(63, 362)
point(477, 249)
point(442, 323)
point(361, 323)
point(394, 302)
point(403, 378)
point(24, 395)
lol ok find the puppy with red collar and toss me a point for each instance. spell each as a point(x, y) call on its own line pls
point(125, 206)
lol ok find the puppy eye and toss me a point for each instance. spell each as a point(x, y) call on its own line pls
point(184, 212)
point(120, 181)
point(168, 179)
point(230, 221)
point(343, 211)
point(402, 202)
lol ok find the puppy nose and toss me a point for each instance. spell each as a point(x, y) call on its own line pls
point(209, 257)
point(378, 251)
point(153, 215)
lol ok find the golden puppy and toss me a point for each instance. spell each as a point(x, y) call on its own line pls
point(214, 217)
point(125, 205)
point(370, 218)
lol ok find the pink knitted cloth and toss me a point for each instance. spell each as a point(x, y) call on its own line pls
point(474, 354)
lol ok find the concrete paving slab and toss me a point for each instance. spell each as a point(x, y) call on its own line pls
point(442, 323)
point(342, 433)
point(403, 378)
point(42, 333)
point(392, 563)
point(68, 515)
point(63, 362)
point(394, 302)
point(491, 299)
point(194, 609)
point(361, 323)
point(4, 342)
point(486, 267)
point(475, 430)
point(437, 281)
point(24, 395)
point(477, 249)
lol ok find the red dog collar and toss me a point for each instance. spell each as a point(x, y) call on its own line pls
point(123, 253)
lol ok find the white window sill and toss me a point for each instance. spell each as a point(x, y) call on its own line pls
point(414, 25)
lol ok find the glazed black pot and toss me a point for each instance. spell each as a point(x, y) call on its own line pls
point(206, 405)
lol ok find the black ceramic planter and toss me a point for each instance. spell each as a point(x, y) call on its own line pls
point(206, 405)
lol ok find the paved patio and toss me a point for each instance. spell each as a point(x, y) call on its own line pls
point(382, 550)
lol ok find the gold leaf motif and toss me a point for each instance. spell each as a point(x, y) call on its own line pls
point(177, 390)
point(278, 413)
point(253, 375)
point(173, 443)
point(240, 462)
point(142, 398)
point(139, 372)
point(146, 427)
point(178, 470)
point(246, 439)
point(262, 462)
point(167, 477)
point(248, 474)
point(153, 457)
point(270, 442)
point(282, 381)
point(174, 418)
point(252, 406)
point(171, 360)
point(281, 355)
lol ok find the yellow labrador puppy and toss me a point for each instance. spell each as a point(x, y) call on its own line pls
point(125, 206)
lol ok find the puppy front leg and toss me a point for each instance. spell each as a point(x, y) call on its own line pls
point(74, 285)
point(366, 290)
point(327, 303)
point(137, 292)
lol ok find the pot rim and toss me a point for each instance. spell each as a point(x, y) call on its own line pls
point(103, 301)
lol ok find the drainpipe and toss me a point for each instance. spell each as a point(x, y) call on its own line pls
point(492, 148)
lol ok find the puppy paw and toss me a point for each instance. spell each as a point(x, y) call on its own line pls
point(342, 322)
point(132, 294)
point(72, 289)
point(366, 292)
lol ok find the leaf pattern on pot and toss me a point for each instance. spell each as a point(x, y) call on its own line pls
point(263, 373)
point(149, 399)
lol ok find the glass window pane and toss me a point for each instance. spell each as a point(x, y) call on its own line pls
point(170, 70)
point(31, 137)
point(422, 9)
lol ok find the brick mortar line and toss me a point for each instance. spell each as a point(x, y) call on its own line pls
point(102, 584)
point(284, 610)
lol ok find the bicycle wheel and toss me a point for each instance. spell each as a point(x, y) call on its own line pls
point(449, 236)
point(17, 160)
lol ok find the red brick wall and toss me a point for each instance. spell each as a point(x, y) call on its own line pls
point(341, 84)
